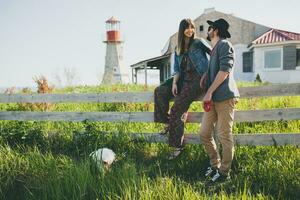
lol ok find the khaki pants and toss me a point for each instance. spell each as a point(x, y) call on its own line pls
point(221, 114)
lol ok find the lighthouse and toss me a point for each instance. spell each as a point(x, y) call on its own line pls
point(115, 71)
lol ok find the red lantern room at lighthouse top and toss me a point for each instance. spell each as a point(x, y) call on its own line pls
point(113, 31)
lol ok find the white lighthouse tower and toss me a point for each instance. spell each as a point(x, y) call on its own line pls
point(115, 71)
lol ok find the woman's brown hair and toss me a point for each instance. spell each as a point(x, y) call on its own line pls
point(184, 24)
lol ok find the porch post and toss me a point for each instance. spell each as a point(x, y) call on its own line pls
point(145, 68)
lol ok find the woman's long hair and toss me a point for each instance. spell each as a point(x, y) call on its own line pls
point(184, 24)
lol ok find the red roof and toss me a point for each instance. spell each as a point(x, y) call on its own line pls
point(275, 35)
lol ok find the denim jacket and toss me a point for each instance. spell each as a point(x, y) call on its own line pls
point(197, 54)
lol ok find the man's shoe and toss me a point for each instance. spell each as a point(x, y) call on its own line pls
point(210, 172)
point(218, 178)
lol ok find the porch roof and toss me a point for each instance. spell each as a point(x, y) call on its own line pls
point(152, 63)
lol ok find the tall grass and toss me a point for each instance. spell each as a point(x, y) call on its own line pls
point(142, 172)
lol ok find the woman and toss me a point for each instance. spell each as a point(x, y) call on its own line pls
point(189, 65)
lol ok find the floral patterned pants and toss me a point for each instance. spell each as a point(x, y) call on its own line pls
point(188, 91)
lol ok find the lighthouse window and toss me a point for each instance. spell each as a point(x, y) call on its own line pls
point(115, 69)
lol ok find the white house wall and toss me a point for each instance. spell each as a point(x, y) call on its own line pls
point(273, 76)
point(238, 66)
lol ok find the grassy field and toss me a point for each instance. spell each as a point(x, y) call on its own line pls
point(49, 160)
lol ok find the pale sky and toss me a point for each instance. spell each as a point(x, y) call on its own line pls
point(43, 37)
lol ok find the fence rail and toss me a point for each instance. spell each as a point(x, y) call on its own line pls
point(139, 97)
point(193, 117)
point(265, 139)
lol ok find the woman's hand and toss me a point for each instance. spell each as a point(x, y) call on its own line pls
point(174, 89)
point(203, 80)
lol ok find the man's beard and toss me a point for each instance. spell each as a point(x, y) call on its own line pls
point(208, 37)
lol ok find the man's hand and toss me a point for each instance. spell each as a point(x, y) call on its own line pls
point(203, 80)
point(207, 97)
point(206, 103)
point(174, 89)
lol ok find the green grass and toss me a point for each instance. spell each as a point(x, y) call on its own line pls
point(49, 160)
point(142, 172)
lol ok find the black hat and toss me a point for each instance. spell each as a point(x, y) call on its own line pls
point(222, 25)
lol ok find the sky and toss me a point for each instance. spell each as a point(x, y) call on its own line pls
point(45, 37)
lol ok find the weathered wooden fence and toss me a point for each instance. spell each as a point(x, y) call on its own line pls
point(142, 97)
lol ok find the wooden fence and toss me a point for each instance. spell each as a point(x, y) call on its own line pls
point(142, 97)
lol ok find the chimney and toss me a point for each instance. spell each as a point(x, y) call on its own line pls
point(209, 10)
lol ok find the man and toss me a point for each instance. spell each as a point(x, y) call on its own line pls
point(221, 97)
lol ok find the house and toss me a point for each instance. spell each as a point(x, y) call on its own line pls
point(250, 40)
point(275, 56)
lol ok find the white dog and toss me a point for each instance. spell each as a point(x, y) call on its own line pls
point(103, 156)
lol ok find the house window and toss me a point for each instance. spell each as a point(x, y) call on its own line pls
point(248, 61)
point(273, 59)
point(298, 57)
point(201, 28)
